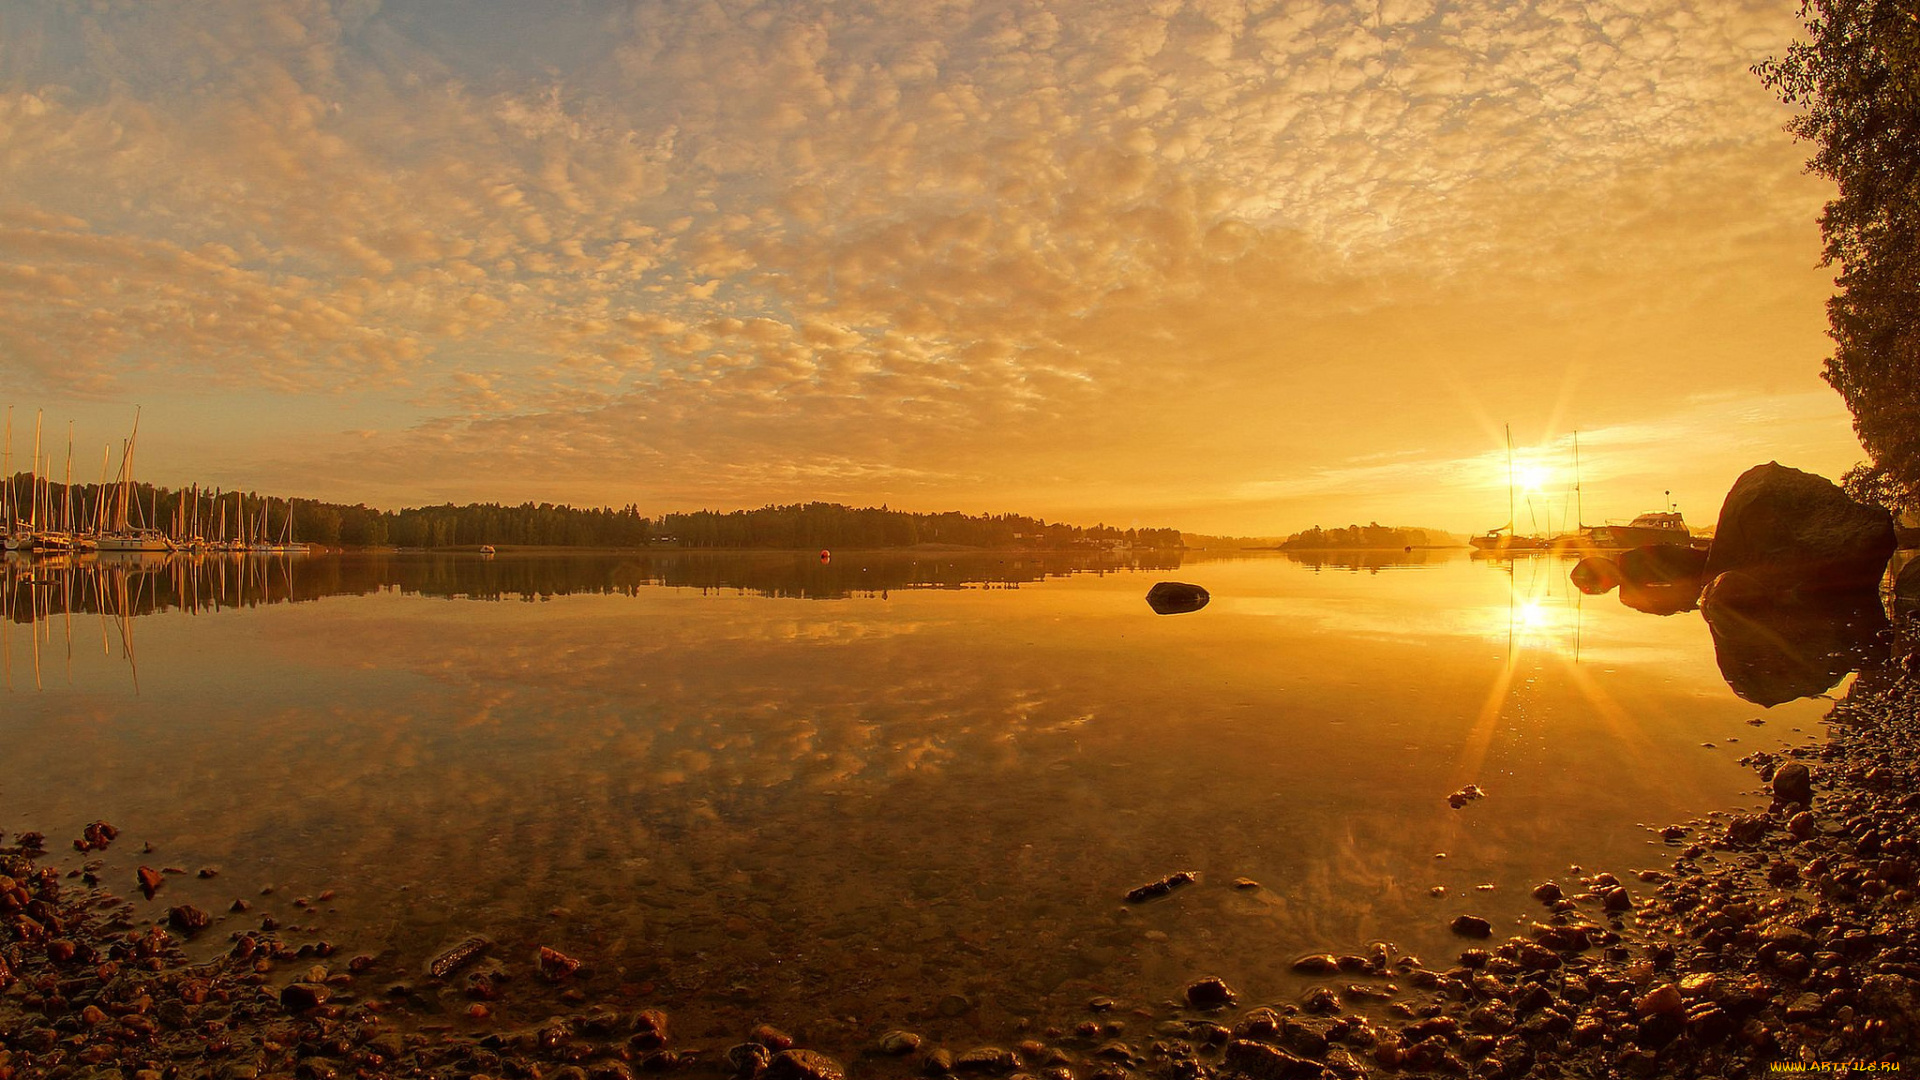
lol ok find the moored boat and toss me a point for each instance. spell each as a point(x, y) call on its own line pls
point(141, 540)
point(1502, 541)
point(1657, 527)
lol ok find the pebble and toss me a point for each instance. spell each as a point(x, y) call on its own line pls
point(899, 1043)
point(1793, 783)
point(987, 1059)
point(1155, 889)
point(804, 1065)
point(299, 997)
point(770, 1037)
point(1317, 964)
point(555, 965)
point(1471, 926)
point(748, 1058)
point(648, 1030)
point(1210, 993)
point(188, 919)
point(457, 957)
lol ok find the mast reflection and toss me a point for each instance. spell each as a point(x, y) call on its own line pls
point(125, 586)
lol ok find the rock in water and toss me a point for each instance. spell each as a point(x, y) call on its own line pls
point(556, 965)
point(804, 1065)
point(299, 997)
point(1663, 564)
point(1471, 926)
point(1775, 649)
point(899, 1043)
point(458, 957)
point(1793, 783)
point(748, 1058)
point(1595, 575)
point(1906, 584)
point(1154, 889)
point(1211, 992)
point(1262, 1062)
point(649, 1030)
point(188, 919)
point(1317, 964)
point(1735, 590)
point(1662, 600)
point(1176, 597)
point(1794, 530)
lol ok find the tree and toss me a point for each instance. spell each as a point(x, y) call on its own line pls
point(1857, 80)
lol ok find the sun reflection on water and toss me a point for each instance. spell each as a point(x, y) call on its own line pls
point(1543, 614)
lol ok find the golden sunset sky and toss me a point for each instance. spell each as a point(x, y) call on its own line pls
point(1230, 267)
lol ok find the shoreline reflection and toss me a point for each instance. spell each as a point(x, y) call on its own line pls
point(129, 586)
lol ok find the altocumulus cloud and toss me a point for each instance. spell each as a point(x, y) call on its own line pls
point(942, 253)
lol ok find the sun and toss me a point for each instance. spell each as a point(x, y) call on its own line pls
point(1532, 478)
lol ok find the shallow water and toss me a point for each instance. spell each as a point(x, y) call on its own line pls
point(876, 792)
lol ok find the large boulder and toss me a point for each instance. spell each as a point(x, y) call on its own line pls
point(1790, 530)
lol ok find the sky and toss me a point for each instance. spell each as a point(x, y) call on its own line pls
point(1229, 266)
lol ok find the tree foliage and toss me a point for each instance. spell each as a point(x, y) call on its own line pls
point(817, 524)
point(1373, 536)
point(214, 515)
point(1856, 80)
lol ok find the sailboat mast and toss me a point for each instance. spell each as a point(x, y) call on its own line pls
point(1579, 514)
point(1510, 521)
point(100, 494)
point(6, 500)
point(33, 516)
point(126, 464)
point(67, 495)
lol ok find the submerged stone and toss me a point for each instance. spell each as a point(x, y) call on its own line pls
point(804, 1065)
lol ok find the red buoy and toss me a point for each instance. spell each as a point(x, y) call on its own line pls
point(825, 555)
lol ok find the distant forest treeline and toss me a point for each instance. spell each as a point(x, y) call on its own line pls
point(1372, 536)
point(805, 525)
point(801, 525)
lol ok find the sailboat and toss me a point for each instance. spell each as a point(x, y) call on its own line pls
point(1582, 537)
point(1503, 540)
point(125, 535)
point(8, 518)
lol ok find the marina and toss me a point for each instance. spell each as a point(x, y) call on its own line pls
point(122, 517)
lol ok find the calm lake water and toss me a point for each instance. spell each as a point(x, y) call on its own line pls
point(881, 792)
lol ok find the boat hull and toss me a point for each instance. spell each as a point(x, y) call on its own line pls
point(134, 543)
point(1502, 544)
point(1626, 537)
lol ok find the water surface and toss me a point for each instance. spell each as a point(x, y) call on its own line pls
point(841, 796)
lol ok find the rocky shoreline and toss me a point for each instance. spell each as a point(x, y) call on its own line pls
point(1781, 937)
